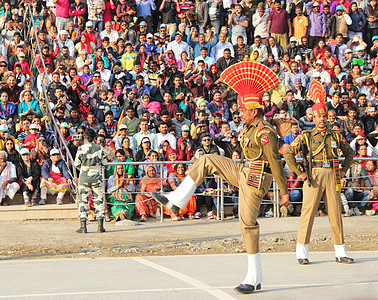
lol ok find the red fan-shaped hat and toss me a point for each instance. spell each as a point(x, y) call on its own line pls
point(250, 80)
point(316, 92)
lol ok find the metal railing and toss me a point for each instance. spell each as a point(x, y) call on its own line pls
point(31, 38)
point(220, 190)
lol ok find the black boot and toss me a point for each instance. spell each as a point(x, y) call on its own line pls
point(100, 225)
point(83, 227)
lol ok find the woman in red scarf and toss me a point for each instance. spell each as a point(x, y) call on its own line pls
point(85, 43)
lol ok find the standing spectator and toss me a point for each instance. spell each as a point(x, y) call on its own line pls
point(62, 15)
point(300, 23)
point(317, 23)
point(145, 8)
point(358, 21)
point(215, 7)
point(279, 24)
point(343, 20)
point(330, 22)
point(238, 23)
point(260, 22)
point(372, 18)
point(96, 10)
point(169, 8)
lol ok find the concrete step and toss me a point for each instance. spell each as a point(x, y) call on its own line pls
point(51, 199)
point(38, 212)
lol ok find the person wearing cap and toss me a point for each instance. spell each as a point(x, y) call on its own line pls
point(346, 61)
point(31, 138)
point(324, 75)
point(8, 179)
point(122, 133)
point(92, 35)
point(144, 12)
point(325, 178)
point(364, 60)
point(343, 20)
point(292, 48)
point(260, 147)
point(65, 41)
point(55, 177)
point(162, 38)
point(317, 28)
point(90, 159)
point(358, 21)
point(108, 32)
point(29, 173)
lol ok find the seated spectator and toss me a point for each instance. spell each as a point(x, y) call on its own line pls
point(10, 149)
point(174, 180)
point(30, 140)
point(372, 172)
point(41, 151)
point(101, 140)
point(8, 109)
point(219, 106)
point(228, 141)
point(29, 173)
point(283, 122)
point(120, 187)
point(144, 204)
point(290, 137)
point(306, 122)
point(74, 144)
point(120, 156)
point(8, 179)
point(127, 148)
point(145, 148)
point(55, 177)
point(131, 121)
point(27, 106)
point(355, 193)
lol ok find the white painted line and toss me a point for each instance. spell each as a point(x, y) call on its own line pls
point(186, 289)
point(185, 278)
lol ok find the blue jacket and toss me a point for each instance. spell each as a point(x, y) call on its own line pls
point(356, 19)
point(197, 47)
point(62, 166)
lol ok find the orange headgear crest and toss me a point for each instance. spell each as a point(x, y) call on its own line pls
point(319, 109)
point(250, 80)
point(316, 92)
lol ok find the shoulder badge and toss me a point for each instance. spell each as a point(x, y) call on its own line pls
point(267, 131)
point(342, 139)
point(264, 140)
point(262, 126)
point(296, 141)
point(246, 142)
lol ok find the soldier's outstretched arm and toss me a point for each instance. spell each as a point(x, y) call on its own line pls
point(269, 145)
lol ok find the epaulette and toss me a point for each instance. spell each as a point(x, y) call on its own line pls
point(262, 126)
point(296, 141)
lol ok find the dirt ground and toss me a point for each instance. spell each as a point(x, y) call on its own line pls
point(46, 239)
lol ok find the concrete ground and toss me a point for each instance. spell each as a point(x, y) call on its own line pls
point(189, 277)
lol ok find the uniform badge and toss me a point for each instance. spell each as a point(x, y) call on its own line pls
point(296, 141)
point(343, 139)
point(333, 145)
point(262, 126)
point(264, 140)
point(262, 132)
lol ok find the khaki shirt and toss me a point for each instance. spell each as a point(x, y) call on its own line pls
point(259, 142)
point(325, 145)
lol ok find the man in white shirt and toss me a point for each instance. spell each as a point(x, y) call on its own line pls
point(137, 138)
point(178, 46)
point(8, 179)
point(105, 74)
point(138, 71)
point(164, 135)
point(84, 59)
point(324, 75)
point(119, 138)
point(260, 22)
point(263, 52)
point(111, 34)
point(65, 41)
point(217, 50)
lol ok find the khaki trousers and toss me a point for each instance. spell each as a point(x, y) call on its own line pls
point(280, 39)
point(249, 199)
point(322, 186)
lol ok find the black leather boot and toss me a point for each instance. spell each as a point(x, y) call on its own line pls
point(83, 227)
point(100, 225)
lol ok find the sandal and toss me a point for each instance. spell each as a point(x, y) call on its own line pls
point(143, 218)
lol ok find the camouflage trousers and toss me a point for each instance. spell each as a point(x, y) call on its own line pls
point(84, 189)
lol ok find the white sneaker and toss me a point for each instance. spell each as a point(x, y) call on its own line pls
point(269, 213)
point(370, 212)
point(357, 211)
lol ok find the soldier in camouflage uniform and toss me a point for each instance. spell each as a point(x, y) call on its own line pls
point(89, 161)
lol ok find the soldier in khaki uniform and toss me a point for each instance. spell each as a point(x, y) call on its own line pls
point(253, 178)
point(325, 181)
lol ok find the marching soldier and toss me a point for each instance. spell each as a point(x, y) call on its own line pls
point(260, 148)
point(89, 160)
point(324, 182)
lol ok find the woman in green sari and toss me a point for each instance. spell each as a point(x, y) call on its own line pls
point(119, 195)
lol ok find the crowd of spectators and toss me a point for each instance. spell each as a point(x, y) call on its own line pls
point(145, 75)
